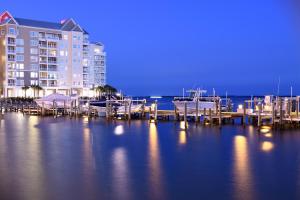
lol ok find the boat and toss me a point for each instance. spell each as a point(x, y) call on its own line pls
point(55, 100)
point(196, 96)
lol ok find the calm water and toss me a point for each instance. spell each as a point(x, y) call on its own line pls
point(47, 158)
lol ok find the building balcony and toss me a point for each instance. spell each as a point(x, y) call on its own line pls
point(11, 51)
point(42, 46)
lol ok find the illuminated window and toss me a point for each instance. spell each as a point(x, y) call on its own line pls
point(34, 34)
point(33, 50)
point(19, 41)
point(19, 49)
point(20, 57)
point(33, 74)
point(12, 31)
point(33, 59)
point(34, 43)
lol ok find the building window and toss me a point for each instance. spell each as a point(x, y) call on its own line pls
point(20, 42)
point(96, 50)
point(34, 34)
point(20, 82)
point(65, 37)
point(33, 82)
point(20, 57)
point(20, 74)
point(33, 50)
point(19, 66)
point(19, 49)
point(34, 67)
point(61, 53)
point(34, 43)
point(33, 59)
point(33, 74)
point(12, 31)
point(2, 31)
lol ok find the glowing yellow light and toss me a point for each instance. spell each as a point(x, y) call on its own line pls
point(268, 135)
point(152, 121)
point(240, 106)
point(267, 146)
point(153, 106)
point(264, 130)
point(85, 119)
point(119, 130)
point(182, 137)
point(183, 126)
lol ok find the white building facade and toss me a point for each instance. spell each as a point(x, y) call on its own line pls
point(56, 56)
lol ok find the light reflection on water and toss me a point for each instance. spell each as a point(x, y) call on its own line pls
point(120, 174)
point(242, 170)
point(155, 168)
point(46, 158)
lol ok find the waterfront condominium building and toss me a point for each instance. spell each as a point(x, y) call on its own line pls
point(56, 56)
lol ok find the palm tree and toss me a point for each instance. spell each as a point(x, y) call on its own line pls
point(109, 90)
point(25, 88)
point(100, 90)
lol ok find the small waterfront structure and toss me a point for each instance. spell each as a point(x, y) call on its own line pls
point(55, 100)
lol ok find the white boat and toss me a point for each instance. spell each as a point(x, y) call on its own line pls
point(55, 99)
point(196, 96)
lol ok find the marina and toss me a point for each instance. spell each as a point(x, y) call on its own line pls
point(275, 112)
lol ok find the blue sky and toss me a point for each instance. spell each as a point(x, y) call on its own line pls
point(158, 47)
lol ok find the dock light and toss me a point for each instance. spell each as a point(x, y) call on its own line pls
point(153, 106)
point(118, 94)
point(240, 106)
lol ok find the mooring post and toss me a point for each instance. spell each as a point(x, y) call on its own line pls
point(155, 111)
point(125, 111)
point(220, 112)
point(259, 115)
point(244, 113)
point(89, 108)
point(143, 109)
point(197, 111)
point(107, 114)
point(297, 106)
point(210, 116)
point(273, 114)
point(43, 108)
point(281, 112)
point(129, 110)
point(185, 114)
point(204, 114)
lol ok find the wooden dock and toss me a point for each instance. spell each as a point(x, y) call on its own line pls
point(277, 115)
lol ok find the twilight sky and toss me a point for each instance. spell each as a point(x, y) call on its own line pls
point(158, 47)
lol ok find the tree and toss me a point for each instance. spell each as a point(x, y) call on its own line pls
point(99, 90)
point(109, 90)
point(25, 88)
point(36, 88)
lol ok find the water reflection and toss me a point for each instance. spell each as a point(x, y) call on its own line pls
point(31, 164)
point(88, 160)
point(155, 176)
point(119, 130)
point(242, 170)
point(182, 137)
point(120, 173)
point(267, 146)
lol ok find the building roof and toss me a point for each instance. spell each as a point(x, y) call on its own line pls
point(38, 23)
